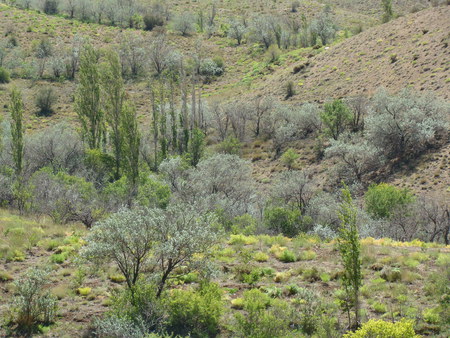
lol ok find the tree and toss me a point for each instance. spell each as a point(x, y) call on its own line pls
point(126, 238)
point(87, 99)
point(350, 250)
point(132, 142)
point(324, 28)
point(383, 199)
point(160, 54)
point(261, 31)
point(184, 24)
point(358, 156)
point(336, 117)
point(406, 124)
point(289, 157)
point(196, 146)
point(152, 240)
point(113, 99)
point(17, 131)
point(237, 30)
point(388, 12)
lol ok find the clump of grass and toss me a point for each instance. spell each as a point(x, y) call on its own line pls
point(15, 256)
point(237, 303)
point(311, 274)
point(443, 259)
point(307, 255)
point(58, 258)
point(379, 307)
point(325, 277)
point(292, 289)
point(261, 257)
point(287, 256)
point(242, 240)
point(5, 276)
point(84, 291)
point(191, 277)
point(281, 277)
point(117, 278)
point(431, 316)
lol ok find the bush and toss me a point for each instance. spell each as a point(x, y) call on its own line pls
point(44, 101)
point(33, 304)
point(382, 329)
point(230, 145)
point(289, 158)
point(151, 21)
point(50, 7)
point(336, 117)
point(4, 75)
point(282, 220)
point(263, 317)
point(309, 308)
point(383, 199)
point(287, 256)
point(261, 257)
point(196, 312)
point(290, 89)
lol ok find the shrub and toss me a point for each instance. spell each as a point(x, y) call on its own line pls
point(4, 75)
point(336, 117)
point(45, 99)
point(184, 24)
point(50, 7)
point(289, 158)
point(431, 316)
point(290, 89)
point(382, 329)
point(263, 317)
point(230, 145)
point(33, 304)
point(151, 21)
point(287, 256)
point(242, 240)
point(282, 220)
point(309, 308)
point(307, 255)
point(261, 257)
point(196, 312)
point(383, 199)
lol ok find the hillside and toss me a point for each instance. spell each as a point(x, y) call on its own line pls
point(411, 51)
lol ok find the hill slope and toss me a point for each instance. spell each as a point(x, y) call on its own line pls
point(409, 51)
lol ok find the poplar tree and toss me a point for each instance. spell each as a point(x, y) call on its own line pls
point(350, 250)
point(113, 93)
point(87, 99)
point(17, 131)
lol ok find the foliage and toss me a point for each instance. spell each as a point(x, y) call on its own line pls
point(383, 199)
point(44, 101)
point(4, 75)
point(309, 307)
point(33, 303)
point(336, 117)
point(196, 312)
point(289, 158)
point(383, 329)
point(282, 220)
point(388, 12)
point(230, 145)
point(406, 124)
point(350, 250)
point(263, 317)
point(184, 24)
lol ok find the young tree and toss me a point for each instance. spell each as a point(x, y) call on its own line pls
point(132, 142)
point(324, 28)
point(184, 24)
point(87, 99)
point(17, 131)
point(350, 250)
point(114, 96)
point(237, 30)
point(336, 117)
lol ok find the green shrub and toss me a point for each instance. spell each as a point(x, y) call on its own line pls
point(196, 312)
point(244, 224)
point(282, 220)
point(308, 255)
point(379, 307)
point(261, 257)
point(308, 307)
point(431, 316)
point(287, 256)
point(383, 199)
point(262, 317)
point(230, 145)
point(4, 75)
point(58, 258)
point(33, 303)
point(382, 329)
point(45, 99)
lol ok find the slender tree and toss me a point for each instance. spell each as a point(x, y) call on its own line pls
point(132, 142)
point(350, 250)
point(87, 99)
point(17, 130)
point(114, 96)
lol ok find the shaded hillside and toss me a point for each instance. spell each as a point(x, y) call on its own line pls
point(409, 51)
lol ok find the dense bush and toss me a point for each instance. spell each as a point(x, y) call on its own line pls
point(282, 220)
point(196, 312)
point(406, 124)
point(383, 329)
point(383, 200)
point(45, 99)
point(4, 75)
